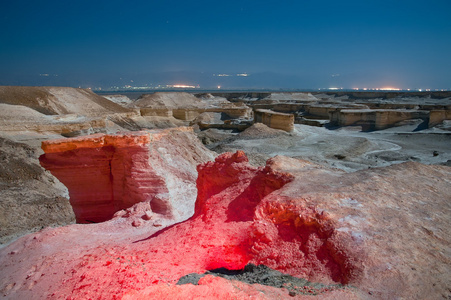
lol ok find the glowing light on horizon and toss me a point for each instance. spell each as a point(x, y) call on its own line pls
point(182, 86)
point(385, 88)
point(388, 88)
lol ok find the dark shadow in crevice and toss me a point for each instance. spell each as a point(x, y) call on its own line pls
point(252, 274)
point(422, 126)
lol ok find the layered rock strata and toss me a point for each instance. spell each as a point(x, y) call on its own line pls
point(372, 110)
point(59, 100)
point(376, 119)
point(17, 118)
point(61, 110)
point(187, 107)
point(30, 197)
point(109, 173)
point(274, 119)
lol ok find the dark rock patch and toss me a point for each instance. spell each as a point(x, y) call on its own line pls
point(264, 275)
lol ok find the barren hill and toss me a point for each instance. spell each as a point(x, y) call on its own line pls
point(170, 100)
point(59, 100)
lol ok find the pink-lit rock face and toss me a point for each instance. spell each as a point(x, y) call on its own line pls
point(360, 229)
point(109, 173)
point(239, 219)
point(268, 230)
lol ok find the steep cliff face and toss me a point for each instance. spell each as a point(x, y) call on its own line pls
point(109, 173)
point(30, 198)
point(274, 119)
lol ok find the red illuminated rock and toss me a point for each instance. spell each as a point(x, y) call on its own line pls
point(109, 173)
point(360, 229)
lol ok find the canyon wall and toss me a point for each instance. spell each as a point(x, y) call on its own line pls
point(187, 107)
point(109, 173)
point(375, 119)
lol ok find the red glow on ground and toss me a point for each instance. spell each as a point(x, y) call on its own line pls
point(238, 220)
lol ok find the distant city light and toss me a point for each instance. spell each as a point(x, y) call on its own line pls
point(385, 88)
point(182, 86)
point(156, 86)
point(388, 89)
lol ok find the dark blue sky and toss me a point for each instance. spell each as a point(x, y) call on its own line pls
point(286, 44)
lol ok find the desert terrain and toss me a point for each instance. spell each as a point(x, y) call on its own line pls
point(342, 195)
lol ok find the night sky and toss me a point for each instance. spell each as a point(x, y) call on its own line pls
point(280, 44)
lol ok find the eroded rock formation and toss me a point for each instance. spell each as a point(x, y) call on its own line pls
point(275, 120)
point(109, 173)
point(60, 110)
point(17, 118)
point(59, 100)
point(238, 220)
point(187, 107)
point(372, 110)
point(30, 197)
point(378, 233)
point(377, 119)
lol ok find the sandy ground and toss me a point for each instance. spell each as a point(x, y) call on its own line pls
point(346, 148)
